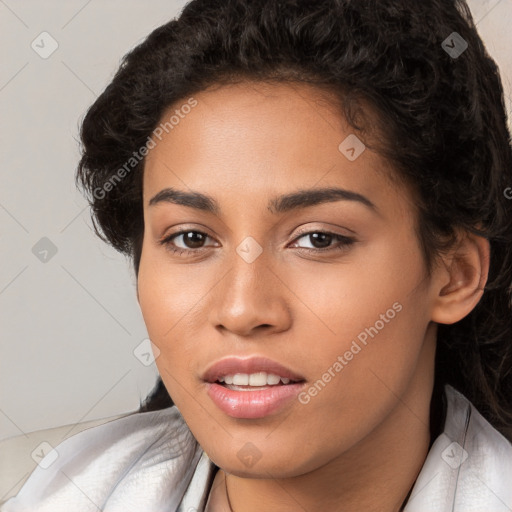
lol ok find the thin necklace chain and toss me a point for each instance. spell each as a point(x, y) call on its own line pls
point(227, 494)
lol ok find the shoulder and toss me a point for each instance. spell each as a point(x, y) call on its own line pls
point(485, 472)
point(469, 467)
point(117, 466)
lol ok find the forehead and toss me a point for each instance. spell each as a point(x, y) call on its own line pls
point(254, 139)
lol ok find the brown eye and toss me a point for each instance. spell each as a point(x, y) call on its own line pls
point(193, 239)
point(185, 241)
point(322, 241)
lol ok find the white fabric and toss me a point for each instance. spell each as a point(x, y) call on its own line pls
point(482, 482)
point(150, 462)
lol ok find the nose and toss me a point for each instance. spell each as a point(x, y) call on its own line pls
point(251, 299)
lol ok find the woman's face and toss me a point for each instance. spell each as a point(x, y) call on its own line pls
point(346, 311)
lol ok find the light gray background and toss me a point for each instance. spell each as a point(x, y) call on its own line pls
point(69, 325)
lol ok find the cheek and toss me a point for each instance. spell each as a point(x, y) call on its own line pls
point(368, 327)
point(337, 302)
point(170, 300)
point(168, 293)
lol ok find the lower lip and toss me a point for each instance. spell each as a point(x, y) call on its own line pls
point(252, 404)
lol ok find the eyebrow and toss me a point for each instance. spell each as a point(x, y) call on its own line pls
point(276, 205)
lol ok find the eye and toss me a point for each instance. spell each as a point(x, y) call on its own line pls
point(188, 242)
point(192, 240)
point(321, 241)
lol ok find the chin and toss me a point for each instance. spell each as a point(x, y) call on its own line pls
point(275, 466)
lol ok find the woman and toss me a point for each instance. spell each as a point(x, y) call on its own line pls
point(314, 196)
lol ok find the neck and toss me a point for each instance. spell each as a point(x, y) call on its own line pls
point(375, 475)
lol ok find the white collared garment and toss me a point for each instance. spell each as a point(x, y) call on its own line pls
point(150, 462)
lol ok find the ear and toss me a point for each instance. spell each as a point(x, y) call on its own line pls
point(460, 279)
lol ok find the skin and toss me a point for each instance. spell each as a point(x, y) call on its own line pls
point(361, 442)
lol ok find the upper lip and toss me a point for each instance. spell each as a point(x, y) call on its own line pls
point(232, 365)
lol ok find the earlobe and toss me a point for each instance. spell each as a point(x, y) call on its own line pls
point(461, 280)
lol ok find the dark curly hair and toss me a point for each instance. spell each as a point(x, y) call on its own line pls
point(441, 116)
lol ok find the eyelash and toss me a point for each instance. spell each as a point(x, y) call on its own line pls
point(343, 242)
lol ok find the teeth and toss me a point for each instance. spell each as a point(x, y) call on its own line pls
point(254, 379)
point(258, 379)
point(272, 380)
point(241, 379)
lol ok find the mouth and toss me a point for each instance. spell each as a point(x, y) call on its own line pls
point(251, 388)
point(253, 371)
point(254, 381)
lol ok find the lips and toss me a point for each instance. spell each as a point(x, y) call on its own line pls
point(246, 401)
point(233, 365)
